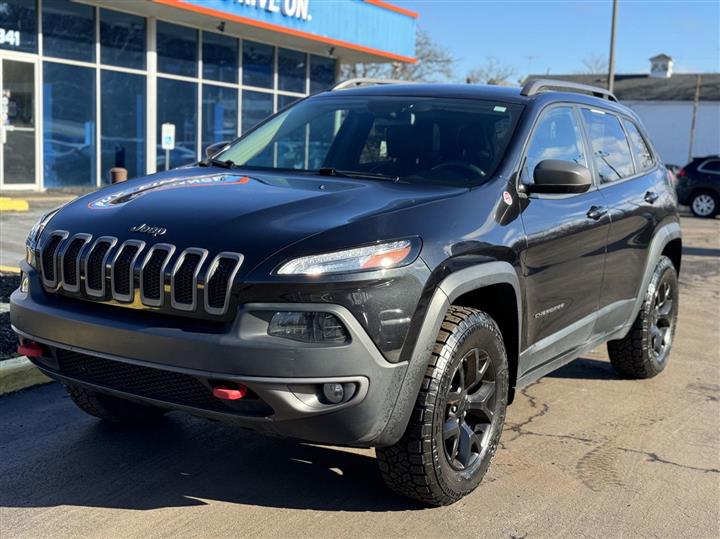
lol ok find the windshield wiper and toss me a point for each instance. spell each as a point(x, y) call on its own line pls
point(329, 171)
point(210, 162)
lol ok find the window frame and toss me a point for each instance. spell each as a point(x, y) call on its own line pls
point(573, 106)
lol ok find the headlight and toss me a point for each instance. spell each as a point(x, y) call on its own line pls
point(372, 257)
point(35, 231)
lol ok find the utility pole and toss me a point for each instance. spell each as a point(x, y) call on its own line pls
point(611, 64)
point(696, 102)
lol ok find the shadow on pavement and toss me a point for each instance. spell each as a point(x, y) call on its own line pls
point(54, 455)
point(586, 369)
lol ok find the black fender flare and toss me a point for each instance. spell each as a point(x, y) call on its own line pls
point(447, 291)
point(660, 240)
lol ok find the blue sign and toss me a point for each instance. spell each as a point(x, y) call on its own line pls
point(369, 26)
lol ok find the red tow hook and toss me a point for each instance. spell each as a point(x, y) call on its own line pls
point(30, 349)
point(228, 394)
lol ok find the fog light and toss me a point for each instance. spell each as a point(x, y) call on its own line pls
point(310, 327)
point(24, 283)
point(334, 393)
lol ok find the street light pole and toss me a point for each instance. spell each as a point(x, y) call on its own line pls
point(611, 63)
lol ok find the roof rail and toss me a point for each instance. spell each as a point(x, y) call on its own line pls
point(354, 83)
point(536, 86)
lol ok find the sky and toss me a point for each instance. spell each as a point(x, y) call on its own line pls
point(539, 36)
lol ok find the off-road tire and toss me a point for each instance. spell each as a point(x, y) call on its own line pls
point(633, 356)
point(709, 196)
point(113, 409)
point(418, 466)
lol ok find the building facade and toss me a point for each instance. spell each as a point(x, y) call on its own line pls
point(87, 85)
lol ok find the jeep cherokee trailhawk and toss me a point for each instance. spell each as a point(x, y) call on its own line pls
point(379, 265)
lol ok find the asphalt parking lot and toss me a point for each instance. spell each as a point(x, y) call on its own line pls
point(583, 453)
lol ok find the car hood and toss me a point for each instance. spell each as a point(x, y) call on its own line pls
point(234, 210)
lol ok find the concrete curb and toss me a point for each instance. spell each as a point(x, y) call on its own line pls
point(13, 204)
point(19, 373)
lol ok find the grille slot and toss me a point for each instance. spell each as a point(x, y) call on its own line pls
point(152, 275)
point(167, 386)
point(218, 282)
point(183, 283)
point(48, 258)
point(70, 262)
point(95, 266)
point(123, 270)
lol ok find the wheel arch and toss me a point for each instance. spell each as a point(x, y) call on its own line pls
point(667, 241)
point(477, 286)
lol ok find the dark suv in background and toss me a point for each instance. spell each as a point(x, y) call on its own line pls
point(698, 186)
point(375, 266)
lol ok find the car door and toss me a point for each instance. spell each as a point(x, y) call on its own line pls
point(566, 239)
point(629, 182)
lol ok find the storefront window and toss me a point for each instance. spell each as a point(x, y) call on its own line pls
point(122, 137)
point(177, 49)
point(258, 64)
point(322, 73)
point(291, 70)
point(220, 57)
point(68, 125)
point(68, 30)
point(18, 25)
point(177, 104)
point(220, 108)
point(256, 106)
point(285, 100)
point(122, 39)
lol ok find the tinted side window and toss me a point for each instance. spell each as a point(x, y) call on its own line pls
point(611, 152)
point(643, 157)
point(556, 136)
point(712, 166)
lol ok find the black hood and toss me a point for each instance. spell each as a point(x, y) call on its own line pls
point(233, 210)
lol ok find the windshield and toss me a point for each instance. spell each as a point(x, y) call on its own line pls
point(413, 139)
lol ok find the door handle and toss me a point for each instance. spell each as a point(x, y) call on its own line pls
point(597, 212)
point(651, 197)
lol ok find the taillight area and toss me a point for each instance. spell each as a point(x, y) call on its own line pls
point(681, 173)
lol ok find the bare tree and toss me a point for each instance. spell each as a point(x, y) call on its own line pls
point(433, 63)
point(493, 72)
point(595, 64)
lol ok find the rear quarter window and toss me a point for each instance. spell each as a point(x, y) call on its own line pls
point(643, 156)
point(712, 166)
point(610, 148)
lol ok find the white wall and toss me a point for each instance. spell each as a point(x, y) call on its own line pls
point(668, 123)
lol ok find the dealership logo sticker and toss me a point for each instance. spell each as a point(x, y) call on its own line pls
point(507, 198)
point(124, 196)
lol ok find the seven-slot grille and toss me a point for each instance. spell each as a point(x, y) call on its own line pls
point(106, 269)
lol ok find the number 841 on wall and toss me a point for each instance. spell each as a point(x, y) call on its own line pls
point(9, 37)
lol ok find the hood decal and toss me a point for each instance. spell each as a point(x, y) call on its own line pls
point(123, 196)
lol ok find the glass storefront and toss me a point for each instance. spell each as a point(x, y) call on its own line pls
point(94, 78)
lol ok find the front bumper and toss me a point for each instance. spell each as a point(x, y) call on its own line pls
point(285, 376)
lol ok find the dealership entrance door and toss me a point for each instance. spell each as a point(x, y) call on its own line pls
point(19, 155)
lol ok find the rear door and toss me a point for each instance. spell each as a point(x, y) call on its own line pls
point(566, 236)
point(628, 177)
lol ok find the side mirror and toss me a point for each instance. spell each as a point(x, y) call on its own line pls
point(559, 177)
point(215, 148)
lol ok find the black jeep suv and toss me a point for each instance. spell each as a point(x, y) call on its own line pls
point(374, 266)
